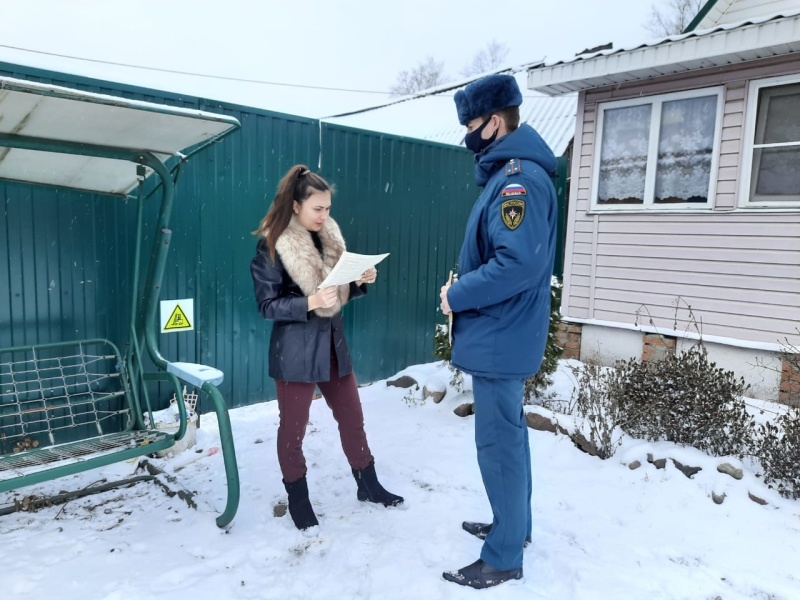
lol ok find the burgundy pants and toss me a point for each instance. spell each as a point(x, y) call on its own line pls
point(294, 403)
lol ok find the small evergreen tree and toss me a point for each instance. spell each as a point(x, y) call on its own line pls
point(441, 342)
point(537, 384)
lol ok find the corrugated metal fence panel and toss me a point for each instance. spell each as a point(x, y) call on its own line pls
point(232, 192)
point(65, 258)
point(60, 270)
point(222, 194)
point(411, 199)
point(562, 195)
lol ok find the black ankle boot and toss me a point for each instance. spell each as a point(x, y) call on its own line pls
point(370, 489)
point(299, 504)
point(479, 575)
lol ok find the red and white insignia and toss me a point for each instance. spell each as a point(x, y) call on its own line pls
point(513, 189)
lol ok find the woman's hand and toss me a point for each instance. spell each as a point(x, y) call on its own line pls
point(368, 276)
point(325, 298)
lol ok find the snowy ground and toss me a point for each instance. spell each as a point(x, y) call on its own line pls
point(601, 530)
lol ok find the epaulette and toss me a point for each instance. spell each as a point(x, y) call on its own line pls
point(513, 167)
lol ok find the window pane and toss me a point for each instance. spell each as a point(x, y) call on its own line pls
point(778, 115)
point(777, 174)
point(685, 146)
point(623, 155)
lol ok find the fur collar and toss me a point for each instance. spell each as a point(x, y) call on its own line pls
point(303, 262)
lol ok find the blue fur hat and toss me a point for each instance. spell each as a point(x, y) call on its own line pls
point(486, 95)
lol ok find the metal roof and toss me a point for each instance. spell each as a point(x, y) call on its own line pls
point(434, 118)
point(35, 119)
point(553, 118)
point(720, 46)
point(720, 12)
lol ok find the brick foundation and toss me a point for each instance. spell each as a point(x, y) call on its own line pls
point(569, 338)
point(657, 347)
point(790, 382)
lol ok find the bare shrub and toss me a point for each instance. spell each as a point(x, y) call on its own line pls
point(777, 447)
point(685, 399)
point(596, 401)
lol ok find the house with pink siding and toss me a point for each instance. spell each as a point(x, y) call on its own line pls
point(684, 218)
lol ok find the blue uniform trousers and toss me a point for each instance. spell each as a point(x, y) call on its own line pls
point(504, 458)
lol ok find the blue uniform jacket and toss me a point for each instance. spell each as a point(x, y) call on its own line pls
point(501, 300)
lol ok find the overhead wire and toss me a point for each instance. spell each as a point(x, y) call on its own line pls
point(193, 73)
point(219, 77)
point(443, 90)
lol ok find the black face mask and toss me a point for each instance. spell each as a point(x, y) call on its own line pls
point(475, 142)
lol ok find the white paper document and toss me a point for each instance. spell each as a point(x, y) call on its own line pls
point(350, 268)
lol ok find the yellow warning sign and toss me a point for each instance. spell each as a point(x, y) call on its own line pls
point(177, 320)
point(177, 315)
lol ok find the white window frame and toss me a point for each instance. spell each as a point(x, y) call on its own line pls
point(657, 101)
point(748, 144)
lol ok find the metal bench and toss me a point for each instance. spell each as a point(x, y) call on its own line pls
point(71, 406)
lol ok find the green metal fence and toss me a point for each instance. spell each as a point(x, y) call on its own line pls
point(411, 199)
point(65, 257)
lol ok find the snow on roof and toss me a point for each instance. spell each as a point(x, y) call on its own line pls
point(719, 12)
point(434, 118)
point(719, 46)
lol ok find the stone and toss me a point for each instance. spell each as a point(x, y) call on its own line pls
point(583, 444)
point(541, 423)
point(660, 463)
point(404, 381)
point(686, 470)
point(634, 465)
point(279, 510)
point(718, 498)
point(756, 499)
point(436, 396)
point(465, 410)
point(538, 422)
point(729, 469)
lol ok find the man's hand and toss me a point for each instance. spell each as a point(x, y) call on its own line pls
point(443, 295)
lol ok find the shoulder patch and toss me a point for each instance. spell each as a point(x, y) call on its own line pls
point(513, 189)
point(512, 213)
point(513, 167)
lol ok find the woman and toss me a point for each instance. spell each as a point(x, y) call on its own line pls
point(299, 244)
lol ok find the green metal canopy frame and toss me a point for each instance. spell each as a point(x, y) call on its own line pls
point(55, 136)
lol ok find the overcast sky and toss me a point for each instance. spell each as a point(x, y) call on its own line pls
point(345, 44)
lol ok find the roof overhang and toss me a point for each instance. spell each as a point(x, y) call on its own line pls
point(58, 136)
point(721, 46)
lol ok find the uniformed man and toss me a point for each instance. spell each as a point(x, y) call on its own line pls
point(501, 308)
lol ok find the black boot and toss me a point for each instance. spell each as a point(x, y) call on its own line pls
point(481, 530)
point(479, 575)
point(370, 489)
point(299, 504)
